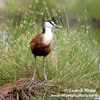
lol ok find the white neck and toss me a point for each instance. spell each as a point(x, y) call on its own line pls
point(48, 35)
point(47, 30)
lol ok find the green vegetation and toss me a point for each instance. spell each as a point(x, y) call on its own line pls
point(14, 9)
point(71, 63)
point(73, 7)
point(78, 7)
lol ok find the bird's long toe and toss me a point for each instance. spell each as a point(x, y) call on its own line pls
point(45, 82)
point(30, 83)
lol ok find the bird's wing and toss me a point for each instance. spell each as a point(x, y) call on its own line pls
point(33, 46)
point(35, 42)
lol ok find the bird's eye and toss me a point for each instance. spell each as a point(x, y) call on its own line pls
point(52, 23)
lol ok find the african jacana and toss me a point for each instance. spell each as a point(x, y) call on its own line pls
point(40, 45)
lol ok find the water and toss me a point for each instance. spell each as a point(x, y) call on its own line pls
point(3, 37)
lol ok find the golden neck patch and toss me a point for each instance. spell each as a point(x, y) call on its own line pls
point(47, 37)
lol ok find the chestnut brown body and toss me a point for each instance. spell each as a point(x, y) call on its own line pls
point(37, 46)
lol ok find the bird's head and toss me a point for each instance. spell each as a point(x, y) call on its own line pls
point(50, 24)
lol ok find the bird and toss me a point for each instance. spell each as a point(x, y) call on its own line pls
point(40, 45)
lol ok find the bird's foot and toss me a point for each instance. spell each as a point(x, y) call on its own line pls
point(45, 81)
point(30, 83)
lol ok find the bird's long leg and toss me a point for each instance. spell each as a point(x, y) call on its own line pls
point(35, 68)
point(44, 69)
point(44, 73)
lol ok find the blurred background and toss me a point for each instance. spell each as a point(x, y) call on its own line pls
point(72, 12)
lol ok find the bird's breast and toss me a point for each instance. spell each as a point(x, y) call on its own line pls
point(47, 38)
